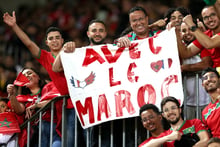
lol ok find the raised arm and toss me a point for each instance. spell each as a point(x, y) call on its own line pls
point(57, 64)
point(204, 40)
point(11, 21)
point(217, 7)
point(68, 47)
point(185, 51)
point(18, 107)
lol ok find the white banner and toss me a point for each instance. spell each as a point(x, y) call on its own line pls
point(106, 82)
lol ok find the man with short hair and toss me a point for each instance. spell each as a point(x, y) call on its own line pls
point(96, 32)
point(152, 121)
point(210, 115)
point(189, 67)
point(138, 19)
point(182, 132)
point(54, 41)
point(207, 40)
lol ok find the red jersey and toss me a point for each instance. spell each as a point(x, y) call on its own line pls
point(150, 138)
point(214, 52)
point(46, 59)
point(188, 126)
point(146, 141)
point(210, 117)
point(48, 92)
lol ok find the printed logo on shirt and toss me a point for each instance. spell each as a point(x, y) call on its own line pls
point(189, 130)
point(210, 110)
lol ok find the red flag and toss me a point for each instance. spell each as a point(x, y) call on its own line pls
point(8, 123)
point(21, 80)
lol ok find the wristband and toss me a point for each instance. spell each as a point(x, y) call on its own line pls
point(209, 2)
point(193, 28)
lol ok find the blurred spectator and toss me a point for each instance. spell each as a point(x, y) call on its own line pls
point(3, 79)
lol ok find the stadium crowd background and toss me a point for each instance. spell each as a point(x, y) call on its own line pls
point(72, 17)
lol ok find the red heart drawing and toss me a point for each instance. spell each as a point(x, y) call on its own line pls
point(156, 66)
point(170, 61)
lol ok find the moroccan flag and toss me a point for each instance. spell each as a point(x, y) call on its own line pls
point(21, 80)
point(8, 123)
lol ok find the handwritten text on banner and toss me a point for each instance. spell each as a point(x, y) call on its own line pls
point(106, 82)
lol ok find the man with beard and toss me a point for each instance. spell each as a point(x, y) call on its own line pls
point(171, 111)
point(96, 32)
point(54, 40)
point(152, 121)
point(207, 40)
point(97, 35)
point(211, 83)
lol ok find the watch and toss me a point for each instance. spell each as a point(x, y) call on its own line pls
point(193, 28)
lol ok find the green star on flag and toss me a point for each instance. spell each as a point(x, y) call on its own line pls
point(9, 123)
point(5, 123)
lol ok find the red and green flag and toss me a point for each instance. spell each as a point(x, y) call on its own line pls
point(8, 123)
point(21, 80)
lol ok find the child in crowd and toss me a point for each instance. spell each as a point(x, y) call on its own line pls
point(8, 125)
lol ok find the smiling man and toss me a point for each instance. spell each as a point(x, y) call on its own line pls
point(96, 32)
point(205, 40)
point(182, 132)
point(152, 121)
point(138, 19)
point(210, 115)
point(54, 40)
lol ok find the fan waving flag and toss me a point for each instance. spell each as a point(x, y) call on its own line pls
point(8, 123)
point(21, 80)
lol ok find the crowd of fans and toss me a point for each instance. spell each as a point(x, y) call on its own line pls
point(74, 18)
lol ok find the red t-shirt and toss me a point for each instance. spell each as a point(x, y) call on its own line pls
point(48, 92)
point(150, 138)
point(214, 52)
point(211, 118)
point(146, 141)
point(188, 126)
point(46, 59)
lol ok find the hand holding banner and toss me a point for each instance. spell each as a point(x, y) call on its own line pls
point(106, 82)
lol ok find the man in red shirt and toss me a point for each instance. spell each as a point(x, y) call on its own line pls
point(208, 40)
point(210, 115)
point(54, 41)
point(152, 121)
point(171, 111)
point(97, 35)
point(140, 29)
